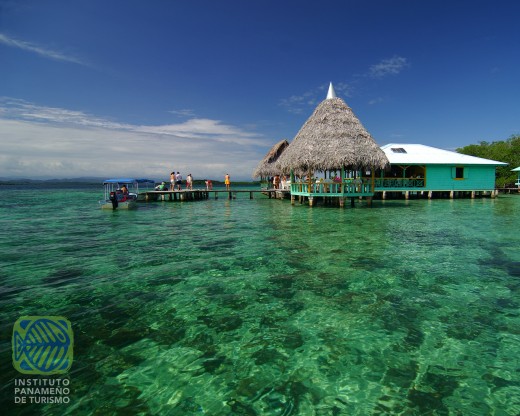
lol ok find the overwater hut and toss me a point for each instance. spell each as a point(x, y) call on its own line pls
point(417, 168)
point(333, 143)
point(267, 166)
point(518, 180)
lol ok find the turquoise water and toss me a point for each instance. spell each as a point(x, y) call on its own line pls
point(244, 307)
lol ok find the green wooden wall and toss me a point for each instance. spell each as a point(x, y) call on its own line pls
point(475, 178)
point(444, 178)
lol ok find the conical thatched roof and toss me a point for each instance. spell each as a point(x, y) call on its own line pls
point(267, 166)
point(332, 137)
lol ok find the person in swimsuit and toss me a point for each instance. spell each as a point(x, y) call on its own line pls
point(227, 181)
point(276, 181)
point(178, 181)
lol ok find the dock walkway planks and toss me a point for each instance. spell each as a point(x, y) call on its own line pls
point(199, 194)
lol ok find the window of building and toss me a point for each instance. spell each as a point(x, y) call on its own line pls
point(459, 172)
point(398, 150)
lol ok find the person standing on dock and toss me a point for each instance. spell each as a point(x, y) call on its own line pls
point(276, 181)
point(172, 181)
point(227, 181)
point(178, 181)
point(189, 181)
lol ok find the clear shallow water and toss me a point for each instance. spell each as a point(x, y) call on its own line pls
point(258, 307)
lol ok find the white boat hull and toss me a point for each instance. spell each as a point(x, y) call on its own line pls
point(123, 190)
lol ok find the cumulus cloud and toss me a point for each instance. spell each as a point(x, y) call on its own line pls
point(53, 142)
point(39, 50)
point(391, 66)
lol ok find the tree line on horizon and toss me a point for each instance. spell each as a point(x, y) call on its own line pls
point(507, 151)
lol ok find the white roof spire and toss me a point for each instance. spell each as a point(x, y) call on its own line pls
point(331, 93)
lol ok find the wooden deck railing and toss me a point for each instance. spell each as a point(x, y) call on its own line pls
point(382, 183)
point(354, 186)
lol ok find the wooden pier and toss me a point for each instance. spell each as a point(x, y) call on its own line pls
point(200, 194)
point(203, 194)
point(509, 190)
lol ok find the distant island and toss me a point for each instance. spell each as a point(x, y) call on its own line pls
point(200, 183)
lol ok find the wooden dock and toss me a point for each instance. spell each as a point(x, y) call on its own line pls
point(200, 194)
point(204, 194)
point(509, 190)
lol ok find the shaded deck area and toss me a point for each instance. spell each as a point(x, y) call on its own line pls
point(356, 188)
point(336, 192)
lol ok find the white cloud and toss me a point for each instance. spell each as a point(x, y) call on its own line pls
point(391, 66)
point(306, 102)
point(39, 50)
point(52, 142)
point(342, 88)
point(294, 104)
point(376, 100)
point(200, 128)
point(183, 113)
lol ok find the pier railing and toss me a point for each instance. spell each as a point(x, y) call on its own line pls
point(354, 187)
point(382, 183)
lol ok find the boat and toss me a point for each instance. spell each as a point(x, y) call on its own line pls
point(123, 193)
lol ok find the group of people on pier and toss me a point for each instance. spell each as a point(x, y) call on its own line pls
point(176, 182)
point(278, 182)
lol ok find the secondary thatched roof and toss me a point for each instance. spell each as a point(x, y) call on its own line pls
point(332, 137)
point(267, 166)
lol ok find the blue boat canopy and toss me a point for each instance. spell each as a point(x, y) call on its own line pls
point(129, 180)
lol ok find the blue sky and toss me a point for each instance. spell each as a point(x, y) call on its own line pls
point(118, 88)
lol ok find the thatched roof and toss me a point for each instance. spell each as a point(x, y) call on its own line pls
point(267, 166)
point(332, 137)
